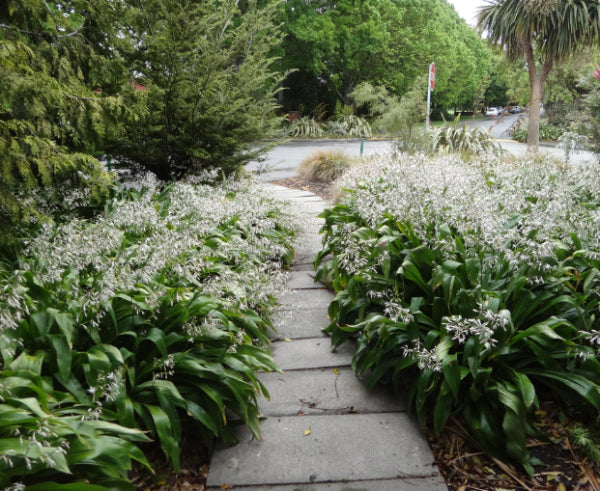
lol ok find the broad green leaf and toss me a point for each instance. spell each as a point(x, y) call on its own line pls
point(444, 407)
point(64, 321)
point(162, 426)
point(526, 388)
point(31, 364)
point(452, 373)
point(583, 386)
point(63, 354)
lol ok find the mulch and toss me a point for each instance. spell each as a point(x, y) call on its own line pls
point(323, 189)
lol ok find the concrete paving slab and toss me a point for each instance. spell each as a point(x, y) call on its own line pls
point(310, 208)
point(324, 391)
point(305, 257)
point(311, 353)
point(313, 449)
point(303, 264)
point(311, 249)
point(299, 325)
point(424, 484)
point(306, 299)
point(303, 280)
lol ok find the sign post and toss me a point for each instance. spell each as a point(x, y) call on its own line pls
point(430, 87)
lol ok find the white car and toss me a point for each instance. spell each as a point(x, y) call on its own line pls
point(493, 111)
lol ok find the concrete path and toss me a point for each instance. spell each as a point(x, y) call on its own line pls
point(322, 429)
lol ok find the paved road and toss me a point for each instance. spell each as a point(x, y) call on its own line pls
point(283, 160)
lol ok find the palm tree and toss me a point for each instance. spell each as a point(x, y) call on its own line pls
point(545, 32)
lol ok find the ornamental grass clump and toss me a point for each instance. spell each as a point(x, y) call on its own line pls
point(478, 282)
point(149, 322)
point(324, 165)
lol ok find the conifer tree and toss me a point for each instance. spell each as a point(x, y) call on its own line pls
point(51, 120)
point(207, 85)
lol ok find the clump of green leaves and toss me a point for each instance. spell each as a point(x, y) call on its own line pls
point(306, 127)
point(548, 131)
point(586, 439)
point(355, 126)
point(478, 283)
point(392, 115)
point(324, 166)
point(462, 139)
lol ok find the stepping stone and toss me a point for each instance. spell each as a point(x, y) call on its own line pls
point(311, 353)
point(296, 300)
point(319, 449)
point(303, 280)
point(304, 264)
point(425, 484)
point(324, 391)
point(299, 324)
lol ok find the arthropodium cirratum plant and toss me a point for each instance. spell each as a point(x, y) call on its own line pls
point(480, 281)
point(155, 313)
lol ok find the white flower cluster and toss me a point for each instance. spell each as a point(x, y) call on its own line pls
point(183, 239)
point(523, 207)
point(463, 328)
point(426, 359)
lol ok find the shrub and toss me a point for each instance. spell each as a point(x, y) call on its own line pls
point(155, 316)
point(324, 166)
point(462, 139)
point(335, 128)
point(548, 132)
point(355, 126)
point(478, 283)
point(306, 127)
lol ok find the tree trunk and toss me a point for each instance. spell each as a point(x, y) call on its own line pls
point(537, 79)
point(533, 128)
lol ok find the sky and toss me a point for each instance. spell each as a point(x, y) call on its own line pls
point(467, 9)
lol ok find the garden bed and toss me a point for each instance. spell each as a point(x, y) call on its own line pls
point(146, 324)
point(515, 244)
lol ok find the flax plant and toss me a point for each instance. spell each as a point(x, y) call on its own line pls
point(478, 280)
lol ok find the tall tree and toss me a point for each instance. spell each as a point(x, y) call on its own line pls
point(545, 32)
point(337, 44)
point(208, 85)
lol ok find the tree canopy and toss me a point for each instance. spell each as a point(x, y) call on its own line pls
point(209, 85)
point(52, 55)
point(545, 33)
point(336, 45)
point(172, 86)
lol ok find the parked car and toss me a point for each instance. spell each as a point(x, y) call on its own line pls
point(493, 112)
point(515, 110)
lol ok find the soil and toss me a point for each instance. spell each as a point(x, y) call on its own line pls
point(323, 189)
point(461, 461)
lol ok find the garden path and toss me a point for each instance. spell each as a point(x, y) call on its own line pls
point(322, 429)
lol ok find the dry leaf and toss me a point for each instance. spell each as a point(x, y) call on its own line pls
point(287, 340)
point(336, 371)
point(307, 431)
